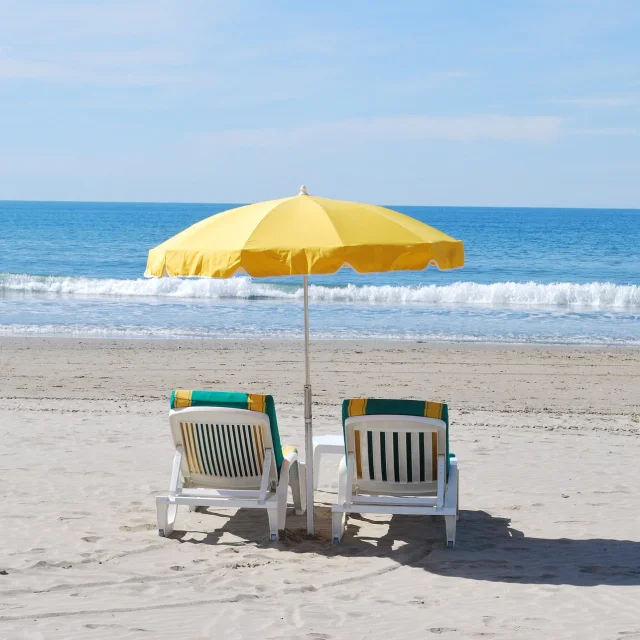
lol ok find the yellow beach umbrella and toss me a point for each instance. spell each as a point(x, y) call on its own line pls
point(304, 235)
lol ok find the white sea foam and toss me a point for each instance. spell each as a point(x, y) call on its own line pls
point(600, 295)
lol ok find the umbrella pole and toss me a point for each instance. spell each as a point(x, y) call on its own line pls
point(308, 431)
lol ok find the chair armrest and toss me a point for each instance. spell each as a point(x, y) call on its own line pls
point(289, 452)
point(266, 475)
point(175, 472)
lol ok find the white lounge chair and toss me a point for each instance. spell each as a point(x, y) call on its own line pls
point(229, 457)
point(396, 463)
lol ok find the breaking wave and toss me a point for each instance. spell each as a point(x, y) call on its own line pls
point(601, 295)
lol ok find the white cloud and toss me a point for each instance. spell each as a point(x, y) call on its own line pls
point(13, 69)
point(396, 129)
point(99, 71)
point(606, 131)
point(79, 20)
point(112, 43)
point(601, 103)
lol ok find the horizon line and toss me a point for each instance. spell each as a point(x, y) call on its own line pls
point(234, 205)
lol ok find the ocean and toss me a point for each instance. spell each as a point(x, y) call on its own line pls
point(543, 276)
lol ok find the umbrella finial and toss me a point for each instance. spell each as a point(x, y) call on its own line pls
point(303, 191)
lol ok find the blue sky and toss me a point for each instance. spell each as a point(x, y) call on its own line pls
point(407, 102)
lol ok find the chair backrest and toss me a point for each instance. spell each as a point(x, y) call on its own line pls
point(396, 453)
point(222, 447)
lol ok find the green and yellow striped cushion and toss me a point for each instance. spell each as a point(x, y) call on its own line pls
point(182, 398)
point(352, 407)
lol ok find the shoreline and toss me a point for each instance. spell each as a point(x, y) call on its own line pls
point(386, 342)
point(406, 342)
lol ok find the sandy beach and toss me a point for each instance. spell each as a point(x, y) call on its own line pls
point(548, 542)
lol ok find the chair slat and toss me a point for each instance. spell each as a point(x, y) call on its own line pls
point(380, 455)
point(187, 435)
point(202, 449)
point(396, 456)
point(434, 456)
point(220, 443)
point(236, 431)
point(358, 448)
point(410, 456)
point(233, 454)
point(370, 455)
point(248, 449)
point(260, 446)
point(377, 458)
point(402, 457)
point(254, 446)
point(257, 452)
point(215, 459)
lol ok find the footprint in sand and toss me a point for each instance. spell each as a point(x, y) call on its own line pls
point(112, 626)
point(91, 538)
point(43, 564)
point(77, 516)
point(138, 527)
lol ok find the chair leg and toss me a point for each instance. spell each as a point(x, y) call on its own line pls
point(338, 522)
point(166, 516)
point(193, 507)
point(274, 518)
point(452, 492)
point(342, 481)
point(450, 525)
point(282, 492)
point(339, 518)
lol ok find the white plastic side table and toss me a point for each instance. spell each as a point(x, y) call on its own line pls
point(325, 444)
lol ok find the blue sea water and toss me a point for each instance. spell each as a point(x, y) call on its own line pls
point(569, 276)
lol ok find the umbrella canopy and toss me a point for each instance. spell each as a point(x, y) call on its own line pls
point(304, 235)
